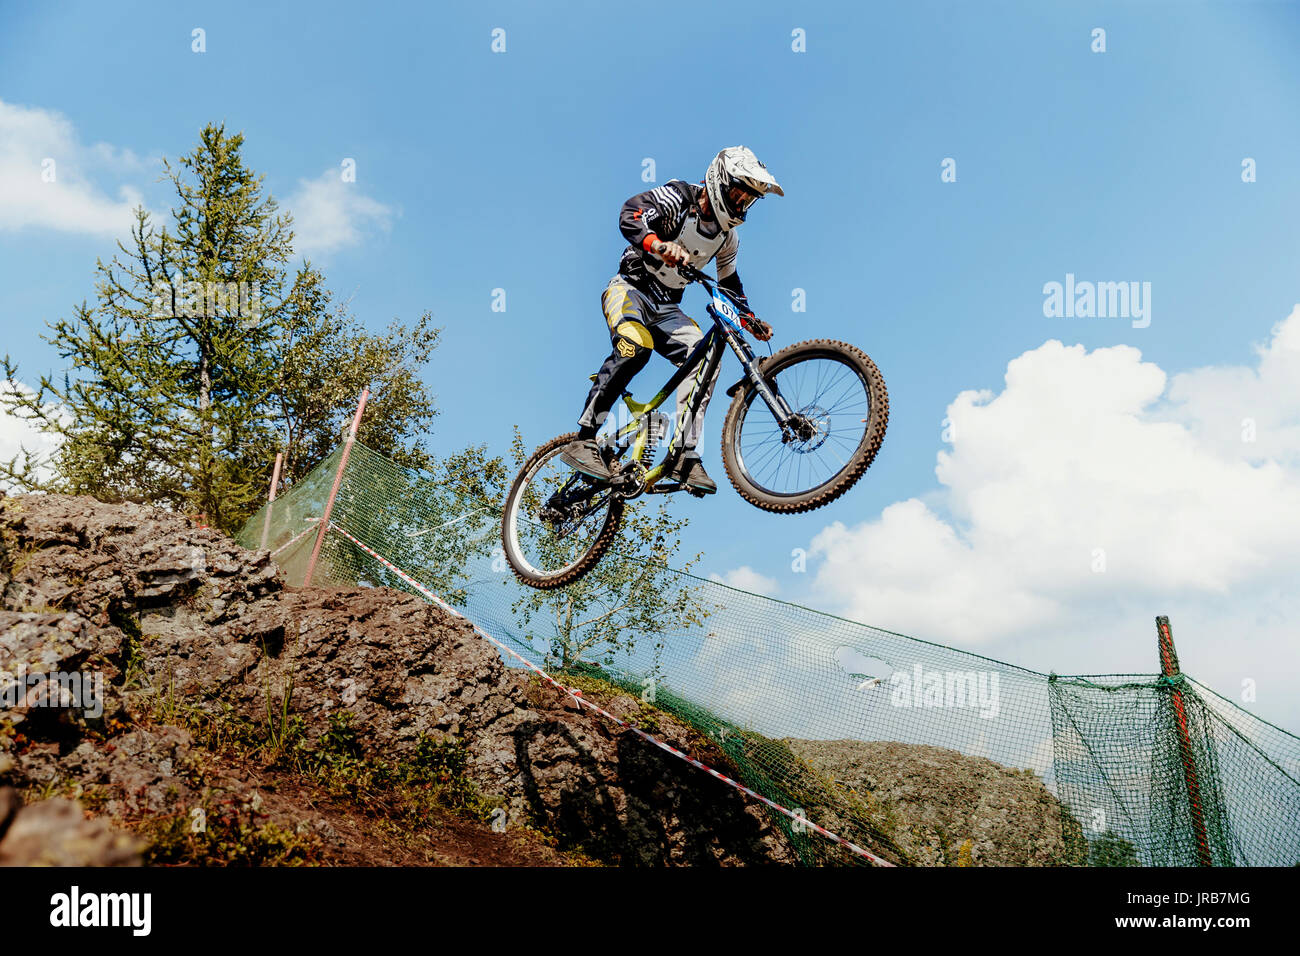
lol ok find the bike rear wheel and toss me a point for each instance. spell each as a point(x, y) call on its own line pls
point(842, 406)
point(556, 523)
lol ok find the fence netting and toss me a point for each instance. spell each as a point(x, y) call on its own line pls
point(850, 724)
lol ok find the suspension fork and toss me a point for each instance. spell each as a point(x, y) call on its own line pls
point(770, 394)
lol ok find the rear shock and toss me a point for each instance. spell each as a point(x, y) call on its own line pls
point(654, 426)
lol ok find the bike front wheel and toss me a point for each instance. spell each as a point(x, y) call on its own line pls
point(841, 410)
point(556, 523)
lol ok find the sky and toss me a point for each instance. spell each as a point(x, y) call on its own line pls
point(1048, 483)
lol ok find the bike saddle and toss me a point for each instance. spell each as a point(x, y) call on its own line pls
point(637, 408)
point(633, 405)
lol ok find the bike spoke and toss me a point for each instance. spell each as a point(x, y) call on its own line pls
point(832, 403)
point(559, 516)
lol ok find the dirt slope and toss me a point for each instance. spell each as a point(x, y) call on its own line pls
point(308, 726)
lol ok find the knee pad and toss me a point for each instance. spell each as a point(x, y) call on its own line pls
point(631, 338)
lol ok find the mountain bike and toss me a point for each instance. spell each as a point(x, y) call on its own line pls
point(804, 425)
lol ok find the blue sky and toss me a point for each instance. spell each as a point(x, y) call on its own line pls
point(479, 170)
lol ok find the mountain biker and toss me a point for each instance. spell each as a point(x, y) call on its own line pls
point(675, 223)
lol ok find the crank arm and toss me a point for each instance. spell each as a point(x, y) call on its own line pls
point(569, 495)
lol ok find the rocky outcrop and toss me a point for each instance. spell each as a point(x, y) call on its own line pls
point(178, 620)
point(185, 618)
point(58, 833)
point(948, 808)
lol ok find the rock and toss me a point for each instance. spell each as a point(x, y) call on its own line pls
point(9, 806)
point(58, 669)
point(57, 833)
point(632, 802)
point(207, 623)
point(200, 621)
point(944, 800)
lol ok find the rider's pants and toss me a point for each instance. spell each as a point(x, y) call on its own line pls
point(638, 324)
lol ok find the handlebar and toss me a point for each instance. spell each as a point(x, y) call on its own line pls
point(692, 274)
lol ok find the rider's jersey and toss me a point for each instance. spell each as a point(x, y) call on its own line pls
point(671, 212)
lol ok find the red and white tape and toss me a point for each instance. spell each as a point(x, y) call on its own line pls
point(799, 819)
point(297, 537)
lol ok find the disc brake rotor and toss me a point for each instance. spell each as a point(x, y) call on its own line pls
point(811, 427)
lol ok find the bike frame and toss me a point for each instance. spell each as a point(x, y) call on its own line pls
point(726, 330)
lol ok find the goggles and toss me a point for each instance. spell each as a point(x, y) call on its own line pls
point(740, 198)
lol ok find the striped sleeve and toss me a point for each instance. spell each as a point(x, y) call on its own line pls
point(657, 212)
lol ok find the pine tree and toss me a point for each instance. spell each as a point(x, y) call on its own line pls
point(200, 358)
point(327, 357)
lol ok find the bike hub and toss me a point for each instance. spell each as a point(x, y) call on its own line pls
point(810, 427)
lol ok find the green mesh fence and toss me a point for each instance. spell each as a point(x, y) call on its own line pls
point(806, 705)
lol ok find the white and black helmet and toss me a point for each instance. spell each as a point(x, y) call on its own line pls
point(735, 179)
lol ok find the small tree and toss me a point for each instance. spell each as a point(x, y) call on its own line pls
point(629, 597)
point(327, 358)
point(431, 523)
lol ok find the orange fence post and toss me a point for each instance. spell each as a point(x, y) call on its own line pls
point(275, 481)
point(1169, 669)
point(334, 490)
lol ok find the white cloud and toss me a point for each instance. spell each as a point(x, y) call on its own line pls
point(17, 434)
point(34, 141)
point(746, 578)
point(1085, 457)
point(1223, 404)
point(330, 214)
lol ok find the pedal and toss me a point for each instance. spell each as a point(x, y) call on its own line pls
point(675, 487)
